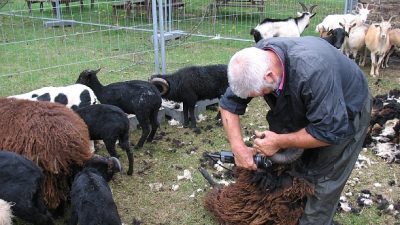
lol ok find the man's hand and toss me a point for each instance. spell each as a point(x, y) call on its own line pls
point(244, 158)
point(266, 142)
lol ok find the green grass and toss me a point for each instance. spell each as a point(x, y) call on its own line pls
point(32, 56)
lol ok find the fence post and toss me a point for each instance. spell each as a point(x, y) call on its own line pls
point(162, 39)
point(155, 36)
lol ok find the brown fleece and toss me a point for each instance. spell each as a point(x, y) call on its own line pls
point(248, 201)
point(51, 135)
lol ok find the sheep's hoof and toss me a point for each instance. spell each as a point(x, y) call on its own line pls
point(129, 173)
point(185, 125)
point(196, 130)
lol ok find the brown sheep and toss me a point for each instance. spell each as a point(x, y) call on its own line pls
point(269, 197)
point(49, 134)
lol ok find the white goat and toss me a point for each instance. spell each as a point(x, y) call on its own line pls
point(355, 39)
point(332, 21)
point(394, 39)
point(290, 27)
point(377, 41)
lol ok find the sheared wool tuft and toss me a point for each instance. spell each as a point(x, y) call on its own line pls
point(5, 213)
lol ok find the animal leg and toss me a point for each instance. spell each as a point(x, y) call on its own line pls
point(124, 144)
point(185, 116)
point(192, 117)
point(380, 62)
point(110, 146)
point(154, 125)
point(388, 54)
point(373, 64)
point(145, 125)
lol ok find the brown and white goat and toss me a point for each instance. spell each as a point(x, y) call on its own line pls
point(377, 41)
point(394, 40)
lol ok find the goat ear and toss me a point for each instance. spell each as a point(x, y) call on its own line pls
point(96, 71)
point(299, 14)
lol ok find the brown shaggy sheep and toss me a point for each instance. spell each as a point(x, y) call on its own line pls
point(49, 134)
point(260, 197)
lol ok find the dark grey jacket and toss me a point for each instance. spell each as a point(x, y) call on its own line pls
point(323, 90)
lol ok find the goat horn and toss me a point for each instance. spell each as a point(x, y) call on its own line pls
point(382, 19)
point(390, 19)
point(286, 156)
point(312, 8)
point(303, 6)
point(117, 164)
point(160, 82)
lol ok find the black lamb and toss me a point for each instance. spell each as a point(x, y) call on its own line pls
point(108, 123)
point(91, 197)
point(20, 182)
point(133, 97)
point(192, 84)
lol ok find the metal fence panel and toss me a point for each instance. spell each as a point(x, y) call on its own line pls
point(117, 36)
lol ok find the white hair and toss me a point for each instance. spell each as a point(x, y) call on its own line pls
point(246, 71)
point(5, 213)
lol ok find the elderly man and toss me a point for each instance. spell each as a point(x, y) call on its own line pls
point(319, 101)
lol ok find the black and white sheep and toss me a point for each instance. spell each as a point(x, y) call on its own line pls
point(21, 182)
point(336, 37)
point(54, 137)
point(72, 96)
point(289, 27)
point(91, 197)
point(133, 97)
point(192, 84)
point(108, 123)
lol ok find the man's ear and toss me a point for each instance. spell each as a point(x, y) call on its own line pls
point(268, 76)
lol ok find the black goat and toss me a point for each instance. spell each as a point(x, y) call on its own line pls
point(108, 123)
point(336, 37)
point(192, 84)
point(91, 197)
point(133, 97)
point(20, 182)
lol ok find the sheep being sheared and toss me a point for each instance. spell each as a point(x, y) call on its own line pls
point(271, 196)
point(51, 135)
point(191, 84)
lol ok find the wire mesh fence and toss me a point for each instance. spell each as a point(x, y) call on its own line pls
point(117, 36)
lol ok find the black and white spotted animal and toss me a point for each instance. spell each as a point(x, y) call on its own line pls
point(73, 96)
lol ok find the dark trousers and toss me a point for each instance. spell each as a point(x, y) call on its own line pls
point(320, 208)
